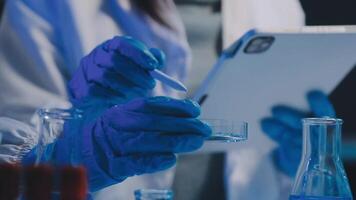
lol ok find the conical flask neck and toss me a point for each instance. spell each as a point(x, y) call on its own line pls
point(321, 174)
point(322, 140)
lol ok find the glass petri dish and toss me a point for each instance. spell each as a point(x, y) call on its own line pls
point(225, 130)
point(153, 194)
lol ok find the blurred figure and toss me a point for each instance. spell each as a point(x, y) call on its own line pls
point(271, 174)
point(240, 16)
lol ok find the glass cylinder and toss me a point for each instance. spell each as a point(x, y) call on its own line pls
point(321, 174)
point(57, 125)
point(153, 194)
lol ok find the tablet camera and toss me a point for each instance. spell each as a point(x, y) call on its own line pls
point(259, 44)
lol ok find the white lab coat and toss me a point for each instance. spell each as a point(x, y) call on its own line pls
point(41, 44)
point(240, 16)
point(251, 174)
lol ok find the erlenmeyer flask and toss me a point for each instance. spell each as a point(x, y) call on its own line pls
point(321, 174)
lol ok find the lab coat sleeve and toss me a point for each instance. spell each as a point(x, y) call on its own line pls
point(29, 58)
point(29, 76)
point(250, 175)
point(285, 185)
point(17, 139)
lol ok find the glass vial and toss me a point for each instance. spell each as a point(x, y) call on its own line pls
point(55, 126)
point(9, 181)
point(321, 174)
point(38, 182)
point(73, 183)
point(152, 194)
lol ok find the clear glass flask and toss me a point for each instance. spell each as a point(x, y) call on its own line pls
point(321, 175)
point(153, 194)
point(56, 124)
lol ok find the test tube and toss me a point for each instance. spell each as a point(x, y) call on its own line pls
point(73, 183)
point(38, 182)
point(9, 181)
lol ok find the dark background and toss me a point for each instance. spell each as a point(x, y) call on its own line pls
point(1, 6)
point(339, 12)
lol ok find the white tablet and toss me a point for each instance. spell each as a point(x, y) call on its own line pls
point(265, 68)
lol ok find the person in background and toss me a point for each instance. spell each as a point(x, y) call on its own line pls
point(271, 176)
point(64, 53)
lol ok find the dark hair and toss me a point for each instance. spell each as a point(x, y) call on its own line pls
point(1, 7)
point(153, 8)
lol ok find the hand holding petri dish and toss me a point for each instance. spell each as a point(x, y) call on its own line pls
point(226, 130)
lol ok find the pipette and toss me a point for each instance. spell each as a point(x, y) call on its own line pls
point(167, 80)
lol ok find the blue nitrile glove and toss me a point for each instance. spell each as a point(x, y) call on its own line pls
point(115, 72)
point(141, 136)
point(285, 127)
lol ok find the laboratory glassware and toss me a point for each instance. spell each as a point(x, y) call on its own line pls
point(153, 194)
point(10, 174)
point(226, 130)
point(10, 181)
point(38, 182)
point(321, 175)
point(57, 124)
point(73, 183)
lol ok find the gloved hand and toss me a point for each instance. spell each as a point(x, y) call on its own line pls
point(114, 72)
point(285, 127)
point(141, 136)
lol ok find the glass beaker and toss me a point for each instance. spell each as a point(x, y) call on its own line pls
point(225, 130)
point(321, 174)
point(153, 194)
point(55, 125)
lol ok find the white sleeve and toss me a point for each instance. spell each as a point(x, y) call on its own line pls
point(285, 185)
point(17, 139)
point(30, 60)
point(251, 174)
point(240, 16)
point(30, 76)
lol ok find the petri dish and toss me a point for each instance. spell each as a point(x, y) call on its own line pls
point(225, 130)
point(153, 194)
